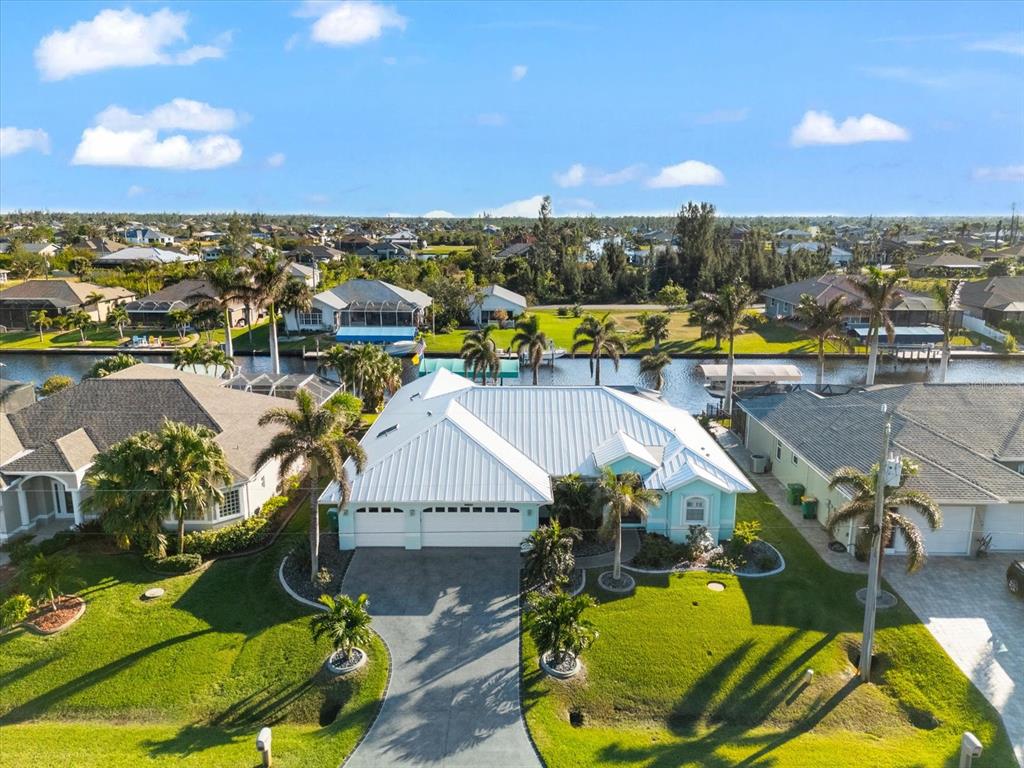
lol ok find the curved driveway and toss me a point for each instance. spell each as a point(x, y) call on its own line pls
point(450, 618)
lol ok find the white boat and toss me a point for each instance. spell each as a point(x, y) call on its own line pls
point(746, 376)
point(551, 354)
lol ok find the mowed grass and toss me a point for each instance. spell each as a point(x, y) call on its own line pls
point(185, 680)
point(683, 676)
point(96, 336)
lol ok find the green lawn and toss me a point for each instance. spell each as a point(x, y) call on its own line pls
point(186, 680)
point(682, 676)
point(98, 336)
point(444, 250)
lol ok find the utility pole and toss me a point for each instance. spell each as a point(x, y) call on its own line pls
point(874, 575)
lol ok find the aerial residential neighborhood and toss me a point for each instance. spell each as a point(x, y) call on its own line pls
point(390, 384)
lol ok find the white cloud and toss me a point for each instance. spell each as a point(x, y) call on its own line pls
point(1011, 44)
point(15, 140)
point(821, 128)
point(439, 214)
point(519, 72)
point(350, 22)
point(717, 116)
point(276, 160)
point(690, 173)
point(177, 114)
point(578, 174)
point(143, 149)
point(135, 190)
point(292, 41)
point(1013, 173)
point(525, 208)
point(121, 39)
point(491, 119)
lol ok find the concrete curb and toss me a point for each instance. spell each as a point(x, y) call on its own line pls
point(663, 571)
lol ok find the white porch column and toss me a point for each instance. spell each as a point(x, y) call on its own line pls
point(76, 502)
point(23, 505)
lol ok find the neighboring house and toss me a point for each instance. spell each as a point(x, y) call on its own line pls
point(154, 309)
point(494, 298)
point(56, 297)
point(793, 234)
point(352, 242)
point(911, 309)
point(453, 464)
point(516, 249)
point(385, 250)
point(5, 275)
point(46, 250)
point(967, 440)
point(310, 275)
point(138, 254)
point(145, 236)
point(944, 263)
point(15, 395)
point(363, 311)
point(403, 237)
point(994, 300)
point(311, 254)
point(836, 254)
point(101, 246)
point(47, 447)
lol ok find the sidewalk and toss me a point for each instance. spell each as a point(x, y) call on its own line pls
point(630, 545)
point(811, 530)
point(42, 532)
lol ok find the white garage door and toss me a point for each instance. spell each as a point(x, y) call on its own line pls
point(953, 538)
point(380, 527)
point(1006, 525)
point(472, 526)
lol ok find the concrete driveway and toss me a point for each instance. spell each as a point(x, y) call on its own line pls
point(966, 606)
point(450, 618)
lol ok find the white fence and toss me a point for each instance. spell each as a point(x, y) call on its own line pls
point(978, 325)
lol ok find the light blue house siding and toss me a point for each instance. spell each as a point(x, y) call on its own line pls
point(718, 510)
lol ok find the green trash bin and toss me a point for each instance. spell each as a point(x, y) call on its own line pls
point(332, 519)
point(794, 492)
point(809, 505)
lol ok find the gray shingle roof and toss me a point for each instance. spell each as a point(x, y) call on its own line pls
point(955, 432)
point(827, 287)
point(60, 293)
point(997, 293)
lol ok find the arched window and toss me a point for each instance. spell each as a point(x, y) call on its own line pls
point(695, 510)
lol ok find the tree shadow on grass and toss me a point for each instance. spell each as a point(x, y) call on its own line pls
point(197, 738)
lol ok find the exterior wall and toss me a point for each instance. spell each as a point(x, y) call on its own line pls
point(720, 511)
point(629, 464)
point(479, 313)
point(327, 322)
point(1005, 523)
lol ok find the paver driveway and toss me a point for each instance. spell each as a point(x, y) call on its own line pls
point(450, 618)
point(966, 606)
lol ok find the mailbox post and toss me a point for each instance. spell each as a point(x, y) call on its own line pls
point(263, 746)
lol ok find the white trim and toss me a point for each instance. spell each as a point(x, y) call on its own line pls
point(705, 520)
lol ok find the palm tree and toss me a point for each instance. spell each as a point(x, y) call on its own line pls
point(125, 491)
point(342, 360)
point(550, 560)
point(180, 318)
point(823, 323)
point(112, 364)
point(723, 314)
point(481, 354)
point(93, 299)
point(224, 279)
point(218, 358)
point(118, 317)
point(346, 623)
point(316, 437)
point(652, 369)
point(624, 496)
point(944, 293)
point(603, 338)
point(192, 470)
point(40, 320)
point(190, 357)
point(862, 508)
point(270, 278)
point(296, 297)
point(78, 320)
point(556, 624)
point(880, 295)
point(50, 574)
point(654, 327)
point(529, 338)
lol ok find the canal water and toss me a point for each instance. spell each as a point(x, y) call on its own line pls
point(683, 387)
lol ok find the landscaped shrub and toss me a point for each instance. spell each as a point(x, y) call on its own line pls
point(232, 538)
point(656, 551)
point(562, 311)
point(21, 549)
point(57, 542)
point(698, 542)
point(14, 609)
point(723, 562)
point(744, 534)
point(175, 563)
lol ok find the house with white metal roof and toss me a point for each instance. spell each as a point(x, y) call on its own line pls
point(496, 298)
point(453, 464)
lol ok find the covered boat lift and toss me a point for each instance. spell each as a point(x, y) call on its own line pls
point(746, 376)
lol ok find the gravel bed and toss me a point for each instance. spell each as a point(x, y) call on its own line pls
point(296, 572)
point(591, 547)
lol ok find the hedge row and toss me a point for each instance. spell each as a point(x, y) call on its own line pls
point(237, 537)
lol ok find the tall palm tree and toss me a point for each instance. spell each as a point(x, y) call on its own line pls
point(192, 470)
point(654, 327)
point(624, 496)
point(944, 293)
point(723, 314)
point(550, 560)
point(180, 318)
point(603, 338)
point(224, 279)
point(481, 354)
point(118, 317)
point(824, 324)
point(271, 278)
point(652, 369)
point(40, 320)
point(316, 437)
point(532, 341)
point(880, 294)
point(861, 508)
point(78, 320)
point(346, 623)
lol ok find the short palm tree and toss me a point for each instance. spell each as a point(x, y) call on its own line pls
point(50, 575)
point(603, 338)
point(189, 357)
point(180, 318)
point(93, 298)
point(112, 364)
point(342, 360)
point(550, 561)
point(78, 320)
point(944, 293)
point(40, 320)
point(346, 623)
point(313, 437)
point(481, 354)
point(217, 358)
point(654, 327)
point(652, 369)
point(861, 509)
point(624, 496)
point(118, 317)
point(824, 324)
point(880, 294)
point(530, 340)
point(556, 624)
point(723, 315)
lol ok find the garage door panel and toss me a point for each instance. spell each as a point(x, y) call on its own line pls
point(1005, 524)
point(472, 529)
point(953, 538)
point(380, 529)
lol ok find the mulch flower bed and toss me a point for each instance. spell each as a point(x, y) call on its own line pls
point(296, 570)
point(48, 621)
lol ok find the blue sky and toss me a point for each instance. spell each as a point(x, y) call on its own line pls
point(369, 108)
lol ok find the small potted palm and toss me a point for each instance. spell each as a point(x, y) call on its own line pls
point(346, 623)
point(557, 626)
